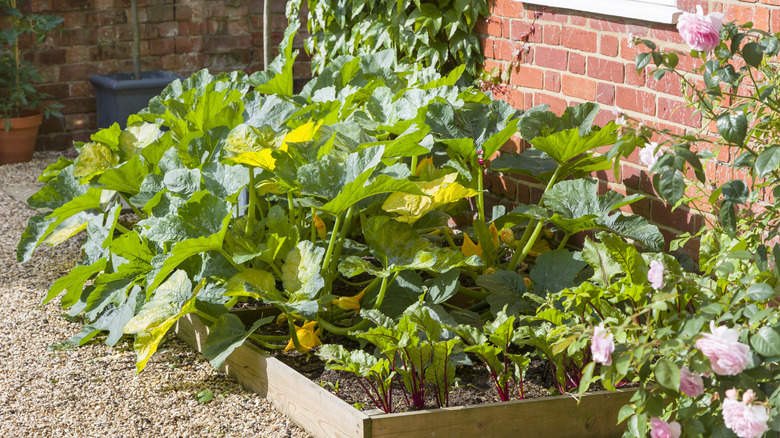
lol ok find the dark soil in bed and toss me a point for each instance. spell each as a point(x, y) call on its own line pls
point(473, 384)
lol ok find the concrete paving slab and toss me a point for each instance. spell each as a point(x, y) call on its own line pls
point(21, 192)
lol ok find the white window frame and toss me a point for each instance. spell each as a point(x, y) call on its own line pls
point(656, 11)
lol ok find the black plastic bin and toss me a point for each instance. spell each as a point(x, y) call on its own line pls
point(119, 95)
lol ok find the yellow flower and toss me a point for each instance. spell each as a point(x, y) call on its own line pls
point(508, 236)
point(527, 281)
point(307, 337)
point(426, 164)
point(489, 271)
point(494, 234)
point(469, 248)
point(320, 226)
point(350, 303)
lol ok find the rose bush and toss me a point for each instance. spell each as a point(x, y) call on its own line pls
point(693, 340)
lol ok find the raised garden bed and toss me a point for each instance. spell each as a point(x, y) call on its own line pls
point(324, 415)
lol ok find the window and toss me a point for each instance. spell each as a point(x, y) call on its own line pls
point(658, 11)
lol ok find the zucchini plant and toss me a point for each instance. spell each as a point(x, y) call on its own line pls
point(350, 185)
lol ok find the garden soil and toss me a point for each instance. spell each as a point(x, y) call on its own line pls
point(50, 390)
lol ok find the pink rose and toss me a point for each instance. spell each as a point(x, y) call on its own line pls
point(700, 32)
point(690, 384)
point(655, 275)
point(745, 419)
point(602, 345)
point(661, 429)
point(648, 156)
point(728, 356)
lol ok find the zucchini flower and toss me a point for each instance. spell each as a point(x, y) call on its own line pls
point(350, 303)
point(494, 234)
point(307, 337)
point(469, 248)
point(508, 236)
point(320, 226)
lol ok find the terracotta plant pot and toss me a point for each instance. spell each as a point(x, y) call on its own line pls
point(18, 144)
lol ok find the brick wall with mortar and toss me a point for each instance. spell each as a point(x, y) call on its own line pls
point(562, 57)
point(182, 36)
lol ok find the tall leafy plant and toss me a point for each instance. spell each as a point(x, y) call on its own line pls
point(17, 75)
point(437, 33)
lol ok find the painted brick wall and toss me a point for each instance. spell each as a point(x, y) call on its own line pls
point(563, 57)
point(182, 36)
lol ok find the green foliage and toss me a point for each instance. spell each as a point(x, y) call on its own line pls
point(375, 372)
point(739, 98)
point(17, 75)
point(358, 174)
point(734, 291)
point(419, 349)
point(491, 346)
point(435, 33)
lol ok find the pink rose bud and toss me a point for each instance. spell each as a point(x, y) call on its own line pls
point(748, 397)
point(700, 32)
point(655, 275)
point(481, 161)
point(602, 345)
point(728, 356)
point(690, 384)
point(732, 394)
point(747, 421)
point(661, 429)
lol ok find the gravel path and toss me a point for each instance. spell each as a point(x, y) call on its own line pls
point(93, 391)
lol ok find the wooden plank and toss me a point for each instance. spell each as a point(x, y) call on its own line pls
point(320, 413)
point(558, 417)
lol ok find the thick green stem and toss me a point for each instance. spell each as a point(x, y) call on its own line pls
point(291, 208)
point(343, 331)
point(272, 337)
point(250, 214)
point(122, 228)
point(564, 241)
point(230, 259)
point(527, 245)
point(313, 226)
point(205, 316)
point(259, 340)
point(135, 209)
point(334, 262)
point(334, 234)
point(414, 164)
point(276, 269)
point(379, 299)
point(480, 196)
point(357, 284)
point(526, 233)
point(448, 238)
point(530, 244)
point(472, 293)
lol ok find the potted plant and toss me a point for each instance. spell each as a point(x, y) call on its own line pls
point(121, 94)
point(22, 106)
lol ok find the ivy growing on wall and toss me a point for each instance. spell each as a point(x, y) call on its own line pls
point(437, 33)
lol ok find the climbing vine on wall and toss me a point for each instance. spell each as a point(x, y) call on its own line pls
point(438, 33)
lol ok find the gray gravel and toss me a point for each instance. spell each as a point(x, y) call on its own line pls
point(93, 391)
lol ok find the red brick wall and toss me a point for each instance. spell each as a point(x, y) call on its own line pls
point(563, 57)
point(182, 36)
